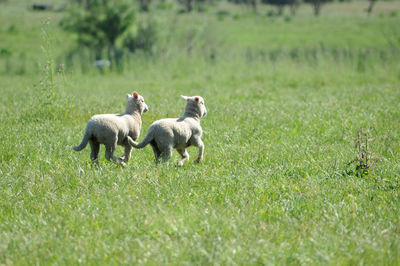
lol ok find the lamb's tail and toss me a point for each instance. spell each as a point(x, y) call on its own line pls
point(144, 142)
point(84, 142)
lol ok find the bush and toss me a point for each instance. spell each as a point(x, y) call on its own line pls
point(107, 30)
point(100, 24)
point(222, 14)
point(144, 39)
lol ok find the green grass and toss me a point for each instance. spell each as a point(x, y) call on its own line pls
point(278, 136)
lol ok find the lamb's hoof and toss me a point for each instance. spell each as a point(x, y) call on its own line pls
point(180, 164)
point(199, 160)
point(121, 163)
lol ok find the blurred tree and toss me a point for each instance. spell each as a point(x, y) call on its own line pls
point(144, 5)
point(143, 39)
point(188, 5)
point(99, 24)
point(252, 3)
point(280, 4)
point(294, 5)
point(317, 4)
point(371, 6)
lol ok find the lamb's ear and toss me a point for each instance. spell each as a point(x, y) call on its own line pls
point(185, 97)
point(196, 99)
point(135, 94)
point(128, 96)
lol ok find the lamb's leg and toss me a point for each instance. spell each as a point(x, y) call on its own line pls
point(110, 153)
point(185, 156)
point(166, 154)
point(127, 153)
point(110, 148)
point(156, 150)
point(94, 153)
point(199, 143)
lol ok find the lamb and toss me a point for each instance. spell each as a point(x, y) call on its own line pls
point(115, 129)
point(166, 134)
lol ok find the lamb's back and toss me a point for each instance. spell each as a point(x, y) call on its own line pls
point(172, 129)
point(108, 121)
point(105, 125)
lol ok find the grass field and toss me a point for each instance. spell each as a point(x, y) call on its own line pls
point(285, 97)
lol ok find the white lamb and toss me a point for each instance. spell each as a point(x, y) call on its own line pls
point(166, 134)
point(115, 129)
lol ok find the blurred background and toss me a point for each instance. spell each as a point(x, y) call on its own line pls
point(123, 36)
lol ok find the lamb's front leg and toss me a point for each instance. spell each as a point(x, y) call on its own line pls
point(199, 143)
point(185, 156)
point(127, 152)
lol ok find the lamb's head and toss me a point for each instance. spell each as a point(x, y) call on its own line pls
point(195, 106)
point(136, 103)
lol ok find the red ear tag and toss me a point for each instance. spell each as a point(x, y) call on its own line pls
point(136, 95)
point(196, 99)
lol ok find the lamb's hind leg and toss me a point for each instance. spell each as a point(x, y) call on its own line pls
point(110, 149)
point(156, 150)
point(110, 153)
point(94, 153)
point(185, 156)
point(166, 153)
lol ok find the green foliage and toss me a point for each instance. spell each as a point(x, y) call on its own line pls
point(108, 28)
point(50, 103)
point(221, 14)
point(144, 5)
point(271, 13)
point(364, 157)
point(164, 5)
point(100, 24)
point(393, 13)
point(143, 38)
